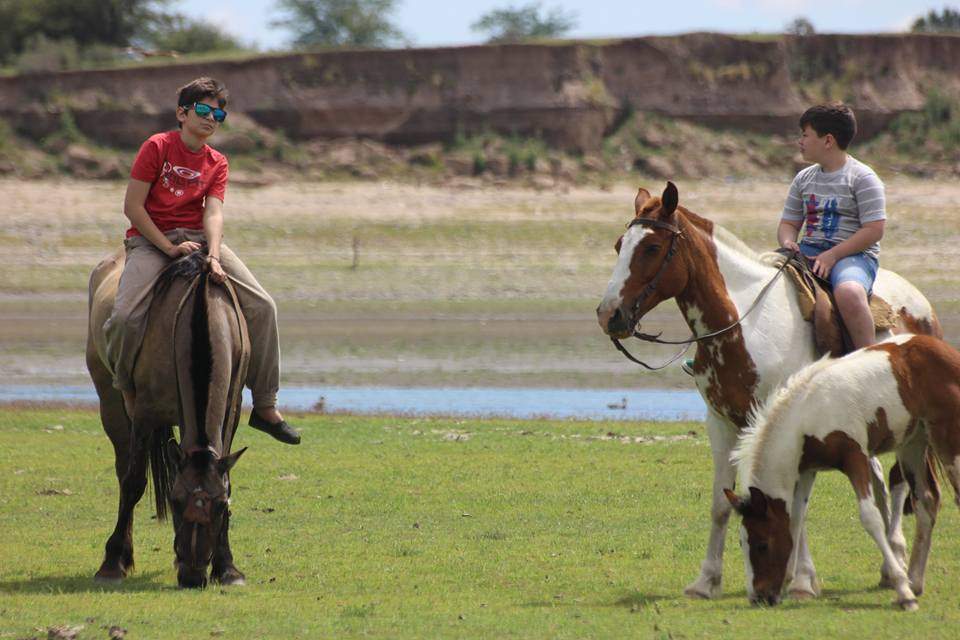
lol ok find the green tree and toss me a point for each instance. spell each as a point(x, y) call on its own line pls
point(800, 27)
point(339, 23)
point(517, 24)
point(947, 21)
point(85, 22)
point(179, 33)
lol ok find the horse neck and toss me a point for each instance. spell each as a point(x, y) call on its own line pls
point(774, 464)
point(723, 278)
point(206, 381)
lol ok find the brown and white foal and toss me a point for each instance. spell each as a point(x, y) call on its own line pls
point(899, 395)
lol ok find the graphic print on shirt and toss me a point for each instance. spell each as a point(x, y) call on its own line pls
point(829, 223)
point(178, 179)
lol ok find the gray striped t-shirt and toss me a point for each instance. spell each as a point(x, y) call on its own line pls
point(835, 205)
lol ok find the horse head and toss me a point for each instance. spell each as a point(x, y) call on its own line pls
point(200, 498)
point(646, 272)
point(766, 541)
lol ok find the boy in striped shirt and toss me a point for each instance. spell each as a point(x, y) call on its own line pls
point(839, 203)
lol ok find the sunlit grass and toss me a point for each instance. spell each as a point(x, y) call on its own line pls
point(403, 527)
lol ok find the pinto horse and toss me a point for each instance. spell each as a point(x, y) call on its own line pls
point(669, 252)
point(900, 395)
point(194, 382)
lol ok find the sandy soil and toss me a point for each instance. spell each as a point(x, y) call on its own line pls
point(454, 285)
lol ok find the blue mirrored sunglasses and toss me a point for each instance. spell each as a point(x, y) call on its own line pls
point(203, 110)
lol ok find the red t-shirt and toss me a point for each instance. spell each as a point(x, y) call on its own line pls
point(180, 179)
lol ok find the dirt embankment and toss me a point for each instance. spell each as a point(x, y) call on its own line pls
point(572, 94)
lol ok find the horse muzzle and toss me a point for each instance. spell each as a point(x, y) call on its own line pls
point(616, 324)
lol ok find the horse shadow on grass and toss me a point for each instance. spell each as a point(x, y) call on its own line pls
point(633, 600)
point(84, 583)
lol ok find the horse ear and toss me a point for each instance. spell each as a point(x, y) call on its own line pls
point(642, 196)
point(175, 453)
point(758, 502)
point(734, 499)
point(669, 200)
point(225, 464)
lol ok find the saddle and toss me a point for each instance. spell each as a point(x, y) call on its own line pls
point(817, 305)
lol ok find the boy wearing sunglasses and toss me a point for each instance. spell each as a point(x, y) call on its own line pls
point(174, 201)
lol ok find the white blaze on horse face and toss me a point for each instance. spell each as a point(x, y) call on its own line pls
point(613, 298)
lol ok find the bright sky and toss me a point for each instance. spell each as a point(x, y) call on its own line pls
point(447, 22)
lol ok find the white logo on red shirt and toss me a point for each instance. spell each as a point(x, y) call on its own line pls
point(178, 179)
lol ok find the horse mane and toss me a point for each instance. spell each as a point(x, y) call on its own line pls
point(201, 359)
point(724, 235)
point(748, 454)
point(162, 465)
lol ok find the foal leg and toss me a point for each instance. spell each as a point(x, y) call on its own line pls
point(900, 491)
point(722, 440)
point(872, 521)
point(801, 575)
point(913, 458)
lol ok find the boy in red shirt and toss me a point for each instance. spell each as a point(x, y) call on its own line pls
point(174, 201)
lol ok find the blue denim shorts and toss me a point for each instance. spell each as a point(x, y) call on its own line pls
point(859, 267)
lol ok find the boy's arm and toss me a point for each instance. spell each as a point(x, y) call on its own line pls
point(133, 208)
point(787, 234)
point(213, 230)
point(868, 234)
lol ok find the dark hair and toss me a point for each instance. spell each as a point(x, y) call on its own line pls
point(201, 89)
point(834, 118)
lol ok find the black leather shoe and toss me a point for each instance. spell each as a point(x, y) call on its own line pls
point(281, 430)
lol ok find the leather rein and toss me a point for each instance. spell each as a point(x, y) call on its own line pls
point(651, 286)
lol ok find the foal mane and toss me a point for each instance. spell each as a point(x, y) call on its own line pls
point(764, 418)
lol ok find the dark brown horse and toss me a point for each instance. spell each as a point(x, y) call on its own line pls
point(189, 372)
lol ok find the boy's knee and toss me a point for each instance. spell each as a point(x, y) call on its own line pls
point(263, 307)
point(851, 295)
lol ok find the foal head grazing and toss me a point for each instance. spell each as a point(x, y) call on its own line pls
point(766, 541)
point(647, 270)
point(200, 498)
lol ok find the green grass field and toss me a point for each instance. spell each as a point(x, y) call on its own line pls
point(406, 527)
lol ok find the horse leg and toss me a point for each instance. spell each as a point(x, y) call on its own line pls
point(223, 570)
point(899, 491)
point(872, 521)
point(916, 467)
point(722, 440)
point(801, 574)
point(116, 424)
point(119, 548)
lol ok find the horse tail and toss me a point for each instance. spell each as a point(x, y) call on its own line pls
point(201, 358)
point(163, 469)
point(935, 474)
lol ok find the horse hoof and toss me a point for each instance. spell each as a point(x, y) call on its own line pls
point(909, 605)
point(696, 592)
point(230, 578)
point(103, 577)
point(801, 594)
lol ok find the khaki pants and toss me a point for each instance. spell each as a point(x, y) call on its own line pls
point(125, 328)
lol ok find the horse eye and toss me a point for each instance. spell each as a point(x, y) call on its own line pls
point(762, 547)
point(652, 250)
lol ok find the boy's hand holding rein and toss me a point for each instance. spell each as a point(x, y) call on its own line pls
point(184, 248)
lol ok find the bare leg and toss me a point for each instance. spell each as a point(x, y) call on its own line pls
point(854, 307)
point(801, 575)
point(722, 439)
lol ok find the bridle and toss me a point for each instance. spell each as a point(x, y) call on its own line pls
point(651, 286)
